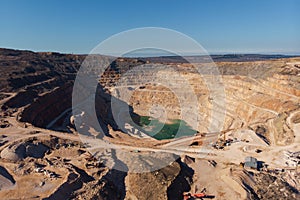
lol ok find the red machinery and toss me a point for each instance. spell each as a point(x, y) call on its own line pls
point(201, 195)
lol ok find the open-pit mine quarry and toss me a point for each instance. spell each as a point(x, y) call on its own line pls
point(245, 146)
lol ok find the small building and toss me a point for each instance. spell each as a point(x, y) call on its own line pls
point(251, 163)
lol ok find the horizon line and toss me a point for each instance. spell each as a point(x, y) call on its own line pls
point(209, 53)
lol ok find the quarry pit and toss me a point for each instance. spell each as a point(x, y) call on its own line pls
point(40, 144)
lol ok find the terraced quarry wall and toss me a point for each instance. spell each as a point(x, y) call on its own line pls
point(260, 93)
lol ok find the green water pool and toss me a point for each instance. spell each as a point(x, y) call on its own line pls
point(173, 129)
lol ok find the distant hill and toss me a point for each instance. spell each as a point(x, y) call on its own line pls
point(216, 58)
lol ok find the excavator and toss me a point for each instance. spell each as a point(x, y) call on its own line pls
point(202, 195)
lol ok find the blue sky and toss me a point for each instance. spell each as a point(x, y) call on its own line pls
point(220, 26)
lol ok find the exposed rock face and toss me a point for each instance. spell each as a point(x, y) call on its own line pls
point(261, 185)
point(14, 153)
point(43, 83)
point(261, 93)
point(23, 98)
point(32, 76)
point(167, 183)
point(46, 108)
point(36, 71)
point(276, 188)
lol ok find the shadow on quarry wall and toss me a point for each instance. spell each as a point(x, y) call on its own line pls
point(47, 107)
point(50, 106)
point(7, 175)
point(75, 181)
point(118, 177)
point(181, 183)
point(168, 182)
